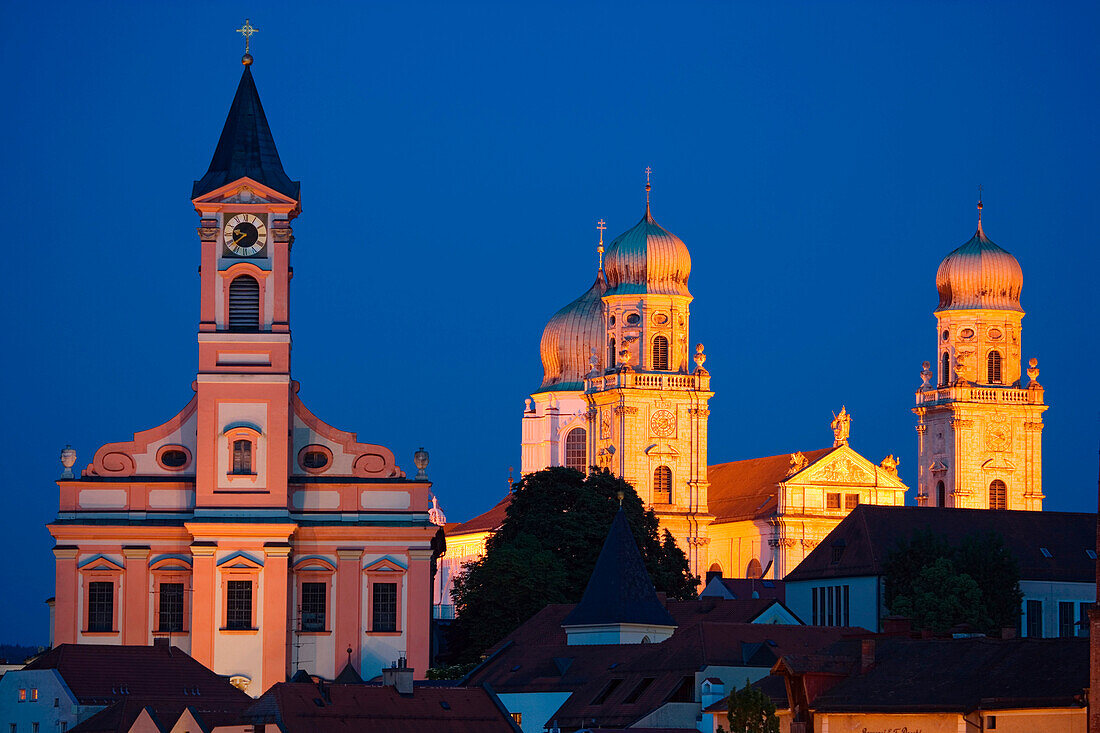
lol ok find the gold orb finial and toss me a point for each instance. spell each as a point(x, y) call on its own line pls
point(648, 187)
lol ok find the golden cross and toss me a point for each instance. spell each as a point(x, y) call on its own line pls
point(979, 204)
point(247, 30)
point(601, 226)
point(648, 170)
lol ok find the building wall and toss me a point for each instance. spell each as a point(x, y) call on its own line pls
point(867, 722)
point(50, 687)
point(537, 708)
point(1050, 594)
point(547, 418)
point(864, 607)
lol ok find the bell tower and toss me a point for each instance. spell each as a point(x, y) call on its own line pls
point(979, 424)
point(647, 408)
point(246, 203)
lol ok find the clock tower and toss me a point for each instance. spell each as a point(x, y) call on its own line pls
point(980, 424)
point(647, 401)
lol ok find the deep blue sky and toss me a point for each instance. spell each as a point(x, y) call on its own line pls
point(819, 160)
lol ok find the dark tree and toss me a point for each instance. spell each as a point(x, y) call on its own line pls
point(939, 585)
point(545, 550)
point(752, 711)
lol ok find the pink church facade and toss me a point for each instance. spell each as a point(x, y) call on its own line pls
point(260, 539)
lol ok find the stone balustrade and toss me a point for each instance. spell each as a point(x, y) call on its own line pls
point(988, 395)
point(674, 382)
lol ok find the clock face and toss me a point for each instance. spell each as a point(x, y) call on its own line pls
point(245, 234)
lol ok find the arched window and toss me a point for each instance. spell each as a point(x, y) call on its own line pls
point(714, 572)
point(611, 355)
point(941, 494)
point(945, 370)
point(662, 485)
point(242, 456)
point(576, 449)
point(754, 570)
point(998, 495)
point(993, 367)
point(244, 304)
point(660, 353)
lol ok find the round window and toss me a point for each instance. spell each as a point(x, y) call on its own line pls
point(314, 459)
point(612, 320)
point(660, 319)
point(995, 333)
point(967, 333)
point(173, 458)
point(633, 318)
point(946, 333)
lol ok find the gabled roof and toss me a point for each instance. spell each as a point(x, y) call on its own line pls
point(308, 708)
point(348, 676)
point(246, 148)
point(120, 716)
point(98, 674)
point(745, 588)
point(870, 533)
point(962, 675)
point(748, 489)
point(536, 658)
point(620, 590)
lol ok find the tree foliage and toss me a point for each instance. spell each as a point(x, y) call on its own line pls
point(545, 551)
point(752, 711)
point(940, 586)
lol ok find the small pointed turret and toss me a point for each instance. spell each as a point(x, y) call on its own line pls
point(246, 148)
point(620, 605)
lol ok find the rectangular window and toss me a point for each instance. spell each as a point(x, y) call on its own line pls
point(34, 727)
point(1035, 619)
point(817, 617)
point(844, 588)
point(385, 606)
point(238, 604)
point(851, 501)
point(313, 606)
point(605, 693)
point(242, 457)
point(832, 501)
point(1082, 619)
point(22, 694)
point(991, 722)
point(829, 596)
point(101, 606)
point(1066, 618)
point(638, 690)
point(518, 717)
point(170, 612)
point(34, 694)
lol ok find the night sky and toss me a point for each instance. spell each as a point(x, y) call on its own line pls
point(818, 159)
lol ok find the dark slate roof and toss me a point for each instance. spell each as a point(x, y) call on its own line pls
point(246, 147)
point(98, 674)
point(870, 533)
point(962, 675)
point(165, 713)
point(748, 489)
point(620, 590)
point(348, 676)
point(307, 708)
point(536, 658)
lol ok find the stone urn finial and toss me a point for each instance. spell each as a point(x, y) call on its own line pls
point(420, 460)
point(1033, 374)
point(68, 460)
point(926, 375)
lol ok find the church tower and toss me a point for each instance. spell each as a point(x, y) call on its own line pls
point(980, 426)
point(647, 403)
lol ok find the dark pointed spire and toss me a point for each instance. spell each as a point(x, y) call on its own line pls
point(348, 676)
point(246, 147)
point(620, 590)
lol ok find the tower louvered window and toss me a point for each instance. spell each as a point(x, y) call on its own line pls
point(662, 485)
point(660, 354)
point(611, 354)
point(993, 367)
point(244, 304)
point(576, 449)
point(945, 370)
point(998, 495)
point(941, 494)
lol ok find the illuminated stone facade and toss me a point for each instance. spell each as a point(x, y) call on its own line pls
point(980, 425)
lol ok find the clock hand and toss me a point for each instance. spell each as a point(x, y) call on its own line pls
point(237, 240)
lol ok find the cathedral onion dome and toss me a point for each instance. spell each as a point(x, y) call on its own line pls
point(979, 274)
point(647, 259)
point(569, 338)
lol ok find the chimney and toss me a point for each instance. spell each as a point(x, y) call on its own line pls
point(399, 676)
point(160, 642)
point(866, 655)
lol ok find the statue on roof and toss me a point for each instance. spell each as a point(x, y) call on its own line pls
point(842, 426)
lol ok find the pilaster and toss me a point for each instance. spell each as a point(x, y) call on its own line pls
point(418, 613)
point(276, 627)
point(135, 611)
point(67, 591)
point(203, 614)
point(348, 624)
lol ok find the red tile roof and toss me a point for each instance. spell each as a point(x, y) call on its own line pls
point(299, 707)
point(103, 673)
point(485, 522)
point(536, 658)
point(747, 489)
